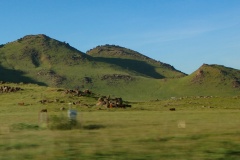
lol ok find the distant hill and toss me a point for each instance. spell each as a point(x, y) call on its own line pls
point(210, 80)
point(41, 49)
point(216, 75)
point(135, 61)
point(108, 70)
point(34, 57)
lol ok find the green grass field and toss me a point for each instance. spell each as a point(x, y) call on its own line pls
point(201, 128)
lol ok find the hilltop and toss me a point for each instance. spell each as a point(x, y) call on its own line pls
point(108, 70)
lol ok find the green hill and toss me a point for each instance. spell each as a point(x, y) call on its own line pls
point(108, 70)
point(208, 80)
point(35, 57)
point(216, 79)
point(134, 61)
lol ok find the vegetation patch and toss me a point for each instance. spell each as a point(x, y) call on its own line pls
point(24, 126)
point(60, 122)
point(18, 146)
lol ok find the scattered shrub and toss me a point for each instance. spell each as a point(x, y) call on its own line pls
point(61, 122)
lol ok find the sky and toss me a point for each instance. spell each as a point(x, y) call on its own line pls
point(182, 33)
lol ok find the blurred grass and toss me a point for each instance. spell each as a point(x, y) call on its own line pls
point(132, 135)
point(201, 128)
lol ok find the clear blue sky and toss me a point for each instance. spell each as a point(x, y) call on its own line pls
point(183, 33)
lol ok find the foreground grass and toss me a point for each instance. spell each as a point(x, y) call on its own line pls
point(128, 135)
point(200, 128)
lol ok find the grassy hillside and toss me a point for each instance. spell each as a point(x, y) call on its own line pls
point(34, 57)
point(108, 70)
point(208, 80)
point(42, 60)
point(215, 78)
point(135, 61)
point(40, 50)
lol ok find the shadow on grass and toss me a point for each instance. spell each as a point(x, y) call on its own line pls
point(93, 126)
point(140, 67)
point(14, 76)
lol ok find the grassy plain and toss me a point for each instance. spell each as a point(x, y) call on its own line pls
point(201, 128)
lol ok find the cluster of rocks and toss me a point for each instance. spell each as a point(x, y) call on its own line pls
point(44, 101)
point(77, 57)
point(45, 73)
point(87, 79)
point(236, 84)
point(111, 102)
point(77, 92)
point(117, 77)
point(7, 89)
point(56, 79)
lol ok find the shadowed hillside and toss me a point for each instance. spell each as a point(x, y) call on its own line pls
point(14, 76)
point(138, 67)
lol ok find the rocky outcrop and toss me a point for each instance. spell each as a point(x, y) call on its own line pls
point(236, 84)
point(117, 77)
point(51, 75)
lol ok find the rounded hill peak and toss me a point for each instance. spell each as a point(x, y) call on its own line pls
point(115, 51)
